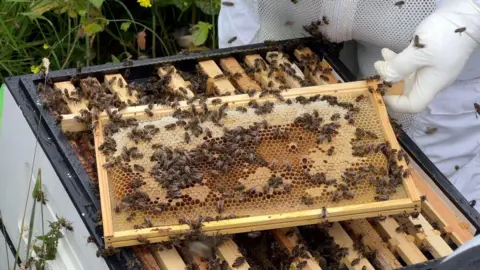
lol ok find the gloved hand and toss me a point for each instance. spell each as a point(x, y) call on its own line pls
point(446, 50)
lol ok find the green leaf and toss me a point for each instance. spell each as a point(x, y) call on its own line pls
point(96, 3)
point(92, 28)
point(125, 25)
point(41, 7)
point(209, 7)
point(164, 3)
point(115, 59)
point(200, 33)
point(183, 5)
point(82, 12)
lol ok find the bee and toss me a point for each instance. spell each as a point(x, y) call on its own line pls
point(418, 227)
point(423, 198)
point(254, 234)
point(228, 3)
point(187, 137)
point(400, 4)
point(473, 203)
point(239, 261)
point(142, 239)
point(288, 165)
point(387, 84)
point(120, 83)
point(252, 93)
point(330, 150)
point(416, 42)
point(457, 167)
point(370, 89)
point(301, 265)
point(415, 214)
point(220, 206)
point(130, 217)
point(431, 130)
point(91, 239)
point(138, 168)
point(307, 200)
point(355, 261)
point(359, 98)
point(324, 212)
point(477, 109)
point(117, 209)
point(171, 126)
point(460, 30)
point(239, 187)
point(401, 228)
point(207, 132)
point(108, 165)
point(381, 198)
point(289, 102)
point(216, 101)
point(241, 109)
point(325, 20)
point(230, 41)
point(335, 117)
point(149, 112)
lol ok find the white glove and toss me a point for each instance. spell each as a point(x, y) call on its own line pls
point(429, 70)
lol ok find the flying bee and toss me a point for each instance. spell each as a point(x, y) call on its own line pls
point(148, 112)
point(416, 42)
point(400, 4)
point(216, 101)
point(431, 130)
point(460, 30)
point(228, 3)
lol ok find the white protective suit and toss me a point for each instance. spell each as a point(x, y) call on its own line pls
point(442, 81)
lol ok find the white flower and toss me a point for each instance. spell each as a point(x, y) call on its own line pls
point(46, 65)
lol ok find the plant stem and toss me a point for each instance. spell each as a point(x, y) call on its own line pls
point(65, 63)
point(87, 39)
point(214, 34)
point(154, 27)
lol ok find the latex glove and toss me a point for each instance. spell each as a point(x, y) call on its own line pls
point(429, 70)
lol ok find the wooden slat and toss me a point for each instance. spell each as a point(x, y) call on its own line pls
point(115, 86)
point(396, 89)
point(439, 211)
point(343, 240)
point(69, 124)
point(430, 237)
point(289, 242)
point(202, 265)
point(244, 82)
point(280, 58)
point(169, 259)
point(372, 240)
point(176, 82)
point(221, 85)
point(262, 76)
point(75, 107)
point(228, 251)
point(315, 79)
point(147, 259)
point(401, 243)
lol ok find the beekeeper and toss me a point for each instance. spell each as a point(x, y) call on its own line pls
point(442, 80)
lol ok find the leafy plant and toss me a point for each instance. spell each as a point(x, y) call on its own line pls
point(98, 31)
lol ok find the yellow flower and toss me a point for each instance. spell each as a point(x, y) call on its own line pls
point(46, 46)
point(145, 3)
point(36, 69)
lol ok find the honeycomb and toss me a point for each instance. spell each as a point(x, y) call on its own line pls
point(300, 150)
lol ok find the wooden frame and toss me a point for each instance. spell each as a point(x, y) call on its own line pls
point(127, 238)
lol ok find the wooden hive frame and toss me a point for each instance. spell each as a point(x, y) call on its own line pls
point(126, 238)
point(434, 209)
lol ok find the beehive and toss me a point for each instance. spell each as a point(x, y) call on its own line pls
point(261, 209)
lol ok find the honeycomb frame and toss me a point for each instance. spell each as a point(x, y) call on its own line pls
point(261, 222)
